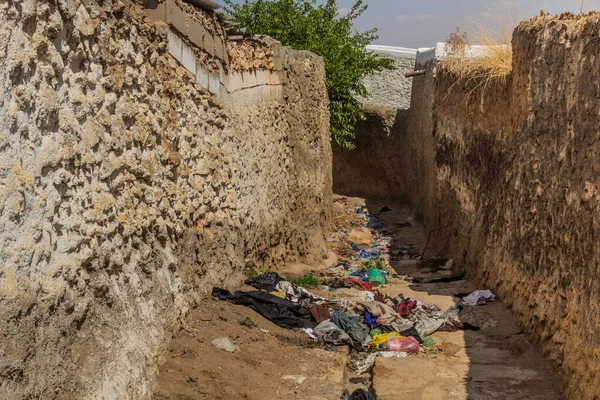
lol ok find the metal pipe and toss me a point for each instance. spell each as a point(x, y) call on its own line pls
point(414, 73)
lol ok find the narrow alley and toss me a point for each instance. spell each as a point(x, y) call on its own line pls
point(496, 361)
point(265, 200)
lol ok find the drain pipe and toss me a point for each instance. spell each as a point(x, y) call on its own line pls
point(412, 74)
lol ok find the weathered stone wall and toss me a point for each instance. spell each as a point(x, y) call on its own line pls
point(127, 190)
point(373, 169)
point(513, 168)
point(281, 157)
point(390, 88)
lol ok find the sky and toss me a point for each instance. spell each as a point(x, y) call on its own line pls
point(423, 23)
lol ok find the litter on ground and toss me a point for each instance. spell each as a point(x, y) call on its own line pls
point(372, 324)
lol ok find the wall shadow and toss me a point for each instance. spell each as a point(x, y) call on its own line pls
point(373, 168)
point(498, 361)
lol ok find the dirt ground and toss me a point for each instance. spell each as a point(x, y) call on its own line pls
point(495, 362)
point(266, 365)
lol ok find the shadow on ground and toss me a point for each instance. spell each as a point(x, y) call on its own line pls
point(496, 362)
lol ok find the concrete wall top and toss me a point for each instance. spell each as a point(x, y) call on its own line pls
point(393, 51)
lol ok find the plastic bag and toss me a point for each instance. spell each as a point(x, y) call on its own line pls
point(403, 344)
point(382, 339)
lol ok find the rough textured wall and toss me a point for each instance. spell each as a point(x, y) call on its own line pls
point(515, 172)
point(281, 155)
point(127, 191)
point(374, 168)
point(391, 88)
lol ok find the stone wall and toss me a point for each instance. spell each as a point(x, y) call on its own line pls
point(390, 88)
point(127, 190)
point(281, 158)
point(513, 168)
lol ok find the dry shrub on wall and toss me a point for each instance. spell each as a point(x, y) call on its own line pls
point(488, 65)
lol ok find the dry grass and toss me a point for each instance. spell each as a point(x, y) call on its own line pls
point(489, 67)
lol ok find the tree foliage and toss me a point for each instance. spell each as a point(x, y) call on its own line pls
point(304, 25)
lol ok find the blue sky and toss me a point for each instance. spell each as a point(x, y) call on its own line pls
point(422, 23)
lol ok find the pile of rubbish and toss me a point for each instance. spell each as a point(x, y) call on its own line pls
point(378, 326)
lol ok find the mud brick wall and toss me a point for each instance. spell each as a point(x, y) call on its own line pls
point(128, 189)
point(373, 169)
point(514, 169)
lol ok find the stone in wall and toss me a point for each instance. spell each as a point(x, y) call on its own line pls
point(249, 55)
point(127, 191)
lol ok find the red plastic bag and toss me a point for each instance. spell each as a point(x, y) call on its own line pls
point(404, 345)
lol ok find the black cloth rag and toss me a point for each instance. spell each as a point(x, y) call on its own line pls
point(266, 281)
point(358, 394)
point(277, 310)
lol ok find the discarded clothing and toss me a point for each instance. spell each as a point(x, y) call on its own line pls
point(390, 354)
point(297, 294)
point(405, 307)
point(358, 394)
point(338, 283)
point(414, 333)
point(279, 311)
point(362, 362)
point(352, 326)
point(370, 320)
point(265, 282)
point(429, 322)
point(320, 313)
point(330, 333)
point(365, 285)
point(479, 298)
point(385, 315)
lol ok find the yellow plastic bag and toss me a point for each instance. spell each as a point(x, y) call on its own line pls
point(279, 293)
point(381, 339)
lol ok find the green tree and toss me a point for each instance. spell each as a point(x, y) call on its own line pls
point(304, 25)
